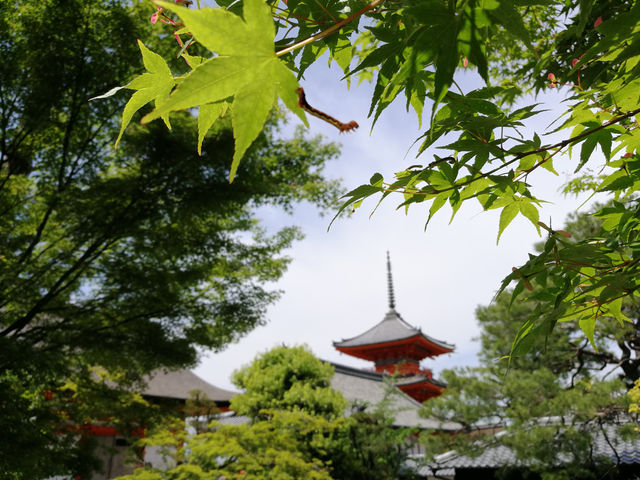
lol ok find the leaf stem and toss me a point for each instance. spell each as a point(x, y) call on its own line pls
point(330, 30)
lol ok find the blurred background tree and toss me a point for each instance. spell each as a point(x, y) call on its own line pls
point(549, 402)
point(128, 260)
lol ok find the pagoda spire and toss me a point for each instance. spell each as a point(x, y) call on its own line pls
point(392, 301)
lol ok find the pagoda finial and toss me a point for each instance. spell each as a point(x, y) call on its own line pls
point(392, 301)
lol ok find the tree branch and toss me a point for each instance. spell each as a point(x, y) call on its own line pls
point(95, 248)
point(330, 30)
point(559, 145)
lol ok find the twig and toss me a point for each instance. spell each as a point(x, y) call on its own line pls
point(330, 30)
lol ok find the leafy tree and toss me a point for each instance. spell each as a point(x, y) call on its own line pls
point(287, 378)
point(294, 414)
point(297, 427)
point(277, 448)
point(362, 446)
point(540, 415)
point(368, 445)
point(415, 47)
point(549, 404)
point(114, 263)
point(566, 352)
point(539, 419)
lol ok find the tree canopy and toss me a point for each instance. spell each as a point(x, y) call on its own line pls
point(117, 262)
point(283, 447)
point(287, 378)
point(256, 52)
point(547, 405)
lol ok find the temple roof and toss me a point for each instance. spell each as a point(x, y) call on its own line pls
point(605, 442)
point(390, 329)
point(178, 383)
point(416, 380)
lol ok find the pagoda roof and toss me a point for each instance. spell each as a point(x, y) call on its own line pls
point(391, 329)
point(392, 332)
point(418, 379)
point(420, 387)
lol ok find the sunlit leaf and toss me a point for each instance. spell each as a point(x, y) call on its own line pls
point(154, 85)
point(588, 326)
point(506, 216)
point(531, 212)
point(207, 115)
point(246, 69)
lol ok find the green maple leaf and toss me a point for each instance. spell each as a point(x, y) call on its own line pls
point(246, 69)
point(207, 115)
point(155, 84)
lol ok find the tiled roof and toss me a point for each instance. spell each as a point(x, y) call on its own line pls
point(627, 449)
point(392, 327)
point(178, 383)
point(368, 387)
point(611, 446)
point(494, 457)
point(231, 418)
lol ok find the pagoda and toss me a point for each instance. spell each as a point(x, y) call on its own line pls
point(397, 348)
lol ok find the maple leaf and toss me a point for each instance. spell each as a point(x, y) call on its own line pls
point(207, 115)
point(155, 84)
point(245, 68)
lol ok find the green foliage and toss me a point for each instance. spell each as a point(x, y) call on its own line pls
point(246, 69)
point(297, 430)
point(540, 418)
point(634, 398)
point(126, 260)
point(364, 445)
point(287, 378)
point(415, 48)
point(547, 404)
point(367, 445)
point(278, 449)
point(154, 85)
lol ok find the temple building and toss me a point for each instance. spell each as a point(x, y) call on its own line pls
point(396, 348)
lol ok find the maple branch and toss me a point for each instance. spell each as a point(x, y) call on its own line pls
point(566, 142)
point(330, 30)
point(557, 146)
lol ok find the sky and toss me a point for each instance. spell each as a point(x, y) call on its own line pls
point(336, 284)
